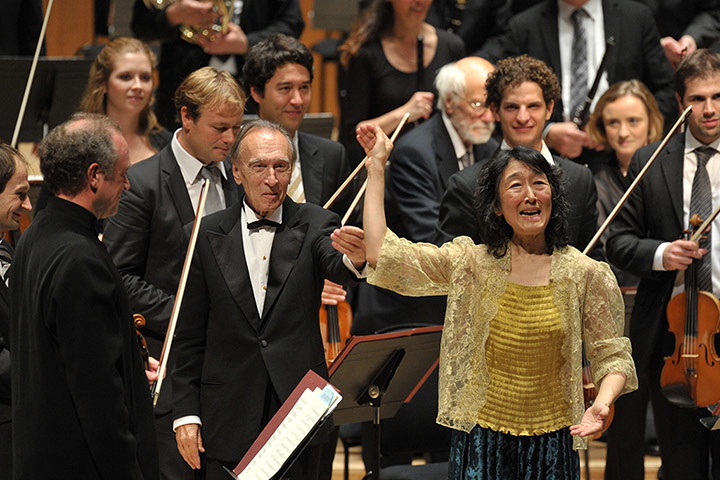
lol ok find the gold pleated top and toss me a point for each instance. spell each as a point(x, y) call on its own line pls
point(525, 395)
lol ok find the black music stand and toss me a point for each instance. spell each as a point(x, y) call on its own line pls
point(56, 92)
point(376, 374)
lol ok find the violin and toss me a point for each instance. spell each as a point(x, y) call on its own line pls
point(335, 323)
point(691, 374)
point(139, 322)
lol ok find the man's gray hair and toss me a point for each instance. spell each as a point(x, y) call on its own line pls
point(70, 148)
point(261, 125)
point(450, 80)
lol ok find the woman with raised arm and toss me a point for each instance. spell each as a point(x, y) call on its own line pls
point(120, 86)
point(519, 309)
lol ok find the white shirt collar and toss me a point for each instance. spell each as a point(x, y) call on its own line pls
point(189, 165)
point(593, 8)
point(691, 143)
point(457, 142)
point(251, 216)
point(544, 151)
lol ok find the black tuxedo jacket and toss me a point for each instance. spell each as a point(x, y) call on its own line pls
point(147, 243)
point(178, 58)
point(4, 353)
point(637, 53)
point(325, 166)
point(227, 354)
point(652, 215)
point(420, 166)
point(457, 215)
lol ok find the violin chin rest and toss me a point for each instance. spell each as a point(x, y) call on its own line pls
point(678, 395)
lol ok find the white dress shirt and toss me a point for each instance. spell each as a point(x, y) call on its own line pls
point(191, 168)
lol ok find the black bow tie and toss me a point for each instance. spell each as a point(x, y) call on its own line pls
point(263, 222)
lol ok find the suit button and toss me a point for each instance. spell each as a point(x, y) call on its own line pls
point(263, 343)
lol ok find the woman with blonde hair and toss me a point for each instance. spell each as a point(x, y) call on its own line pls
point(120, 85)
point(625, 119)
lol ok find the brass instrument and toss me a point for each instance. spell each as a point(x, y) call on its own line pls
point(190, 33)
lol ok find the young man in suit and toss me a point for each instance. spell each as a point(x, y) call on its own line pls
point(522, 92)
point(80, 400)
point(644, 239)
point(248, 330)
point(146, 238)
point(14, 200)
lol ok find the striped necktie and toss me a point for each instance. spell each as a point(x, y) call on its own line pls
point(701, 203)
point(579, 63)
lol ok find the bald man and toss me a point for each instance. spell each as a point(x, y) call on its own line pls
point(420, 166)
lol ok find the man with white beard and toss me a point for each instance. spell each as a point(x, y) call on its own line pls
point(424, 159)
point(420, 166)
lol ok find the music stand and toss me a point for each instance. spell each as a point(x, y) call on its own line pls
point(56, 91)
point(378, 373)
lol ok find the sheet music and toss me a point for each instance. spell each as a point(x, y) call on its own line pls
point(310, 409)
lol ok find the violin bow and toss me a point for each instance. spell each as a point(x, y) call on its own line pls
point(635, 182)
point(704, 226)
point(167, 344)
point(31, 76)
point(361, 192)
point(360, 166)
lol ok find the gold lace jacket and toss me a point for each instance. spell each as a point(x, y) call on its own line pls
point(585, 292)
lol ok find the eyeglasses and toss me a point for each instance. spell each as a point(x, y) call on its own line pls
point(260, 169)
point(476, 107)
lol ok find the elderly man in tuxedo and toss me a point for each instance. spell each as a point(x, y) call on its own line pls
point(248, 330)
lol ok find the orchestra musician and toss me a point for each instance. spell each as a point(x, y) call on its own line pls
point(519, 307)
point(80, 399)
point(146, 238)
point(14, 200)
point(644, 240)
point(248, 329)
point(250, 22)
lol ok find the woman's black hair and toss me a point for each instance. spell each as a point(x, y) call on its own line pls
point(495, 232)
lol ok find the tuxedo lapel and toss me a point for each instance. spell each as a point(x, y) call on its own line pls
point(172, 176)
point(311, 167)
point(227, 247)
point(287, 244)
point(447, 162)
point(229, 186)
point(612, 20)
point(671, 161)
point(549, 33)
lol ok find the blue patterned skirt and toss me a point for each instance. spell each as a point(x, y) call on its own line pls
point(484, 454)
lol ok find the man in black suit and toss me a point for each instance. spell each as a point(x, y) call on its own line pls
point(146, 238)
point(546, 31)
point(248, 330)
point(20, 24)
point(250, 21)
point(644, 240)
point(14, 200)
point(522, 92)
point(80, 398)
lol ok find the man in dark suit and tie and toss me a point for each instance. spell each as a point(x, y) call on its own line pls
point(14, 200)
point(550, 31)
point(80, 397)
point(146, 238)
point(522, 92)
point(248, 330)
point(684, 180)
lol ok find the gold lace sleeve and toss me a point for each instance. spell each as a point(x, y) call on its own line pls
point(603, 320)
point(415, 269)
